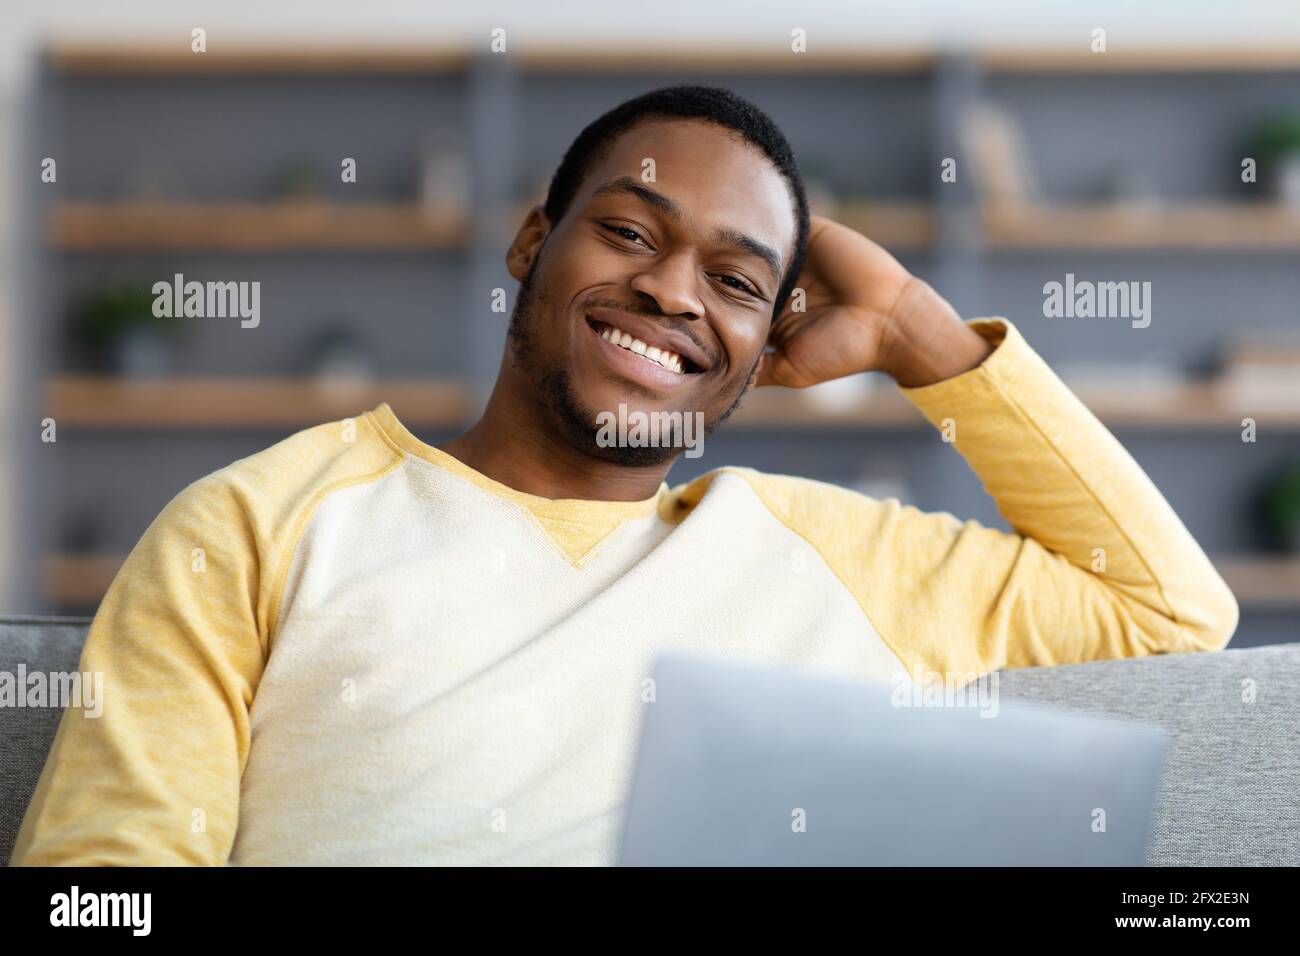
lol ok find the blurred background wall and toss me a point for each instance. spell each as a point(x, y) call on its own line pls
point(1115, 166)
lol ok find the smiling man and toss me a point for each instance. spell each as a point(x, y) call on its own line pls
point(397, 653)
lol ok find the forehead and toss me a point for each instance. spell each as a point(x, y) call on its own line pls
point(712, 173)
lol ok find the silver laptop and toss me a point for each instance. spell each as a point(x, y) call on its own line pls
point(751, 764)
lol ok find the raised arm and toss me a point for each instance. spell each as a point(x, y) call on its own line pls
point(1098, 564)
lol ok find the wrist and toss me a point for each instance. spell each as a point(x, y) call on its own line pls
point(925, 341)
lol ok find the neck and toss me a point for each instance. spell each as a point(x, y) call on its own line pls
point(514, 444)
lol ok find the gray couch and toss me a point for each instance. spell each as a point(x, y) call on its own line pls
point(1230, 793)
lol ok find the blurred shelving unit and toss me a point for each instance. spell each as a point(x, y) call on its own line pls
point(1199, 405)
point(108, 226)
point(253, 226)
point(1151, 60)
point(109, 402)
point(1225, 227)
point(883, 123)
point(78, 580)
point(713, 59)
point(895, 225)
point(98, 59)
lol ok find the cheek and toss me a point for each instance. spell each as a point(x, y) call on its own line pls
point(744, 343)
point(594, 272)
point(590, 261)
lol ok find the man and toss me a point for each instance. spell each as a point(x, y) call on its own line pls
point(354, 647)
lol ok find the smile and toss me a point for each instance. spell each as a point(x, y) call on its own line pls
point(662, 357)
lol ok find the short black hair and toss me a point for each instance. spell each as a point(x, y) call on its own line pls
point(713, 104)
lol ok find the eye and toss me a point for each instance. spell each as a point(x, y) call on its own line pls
point(626, 233)
point(741, 284)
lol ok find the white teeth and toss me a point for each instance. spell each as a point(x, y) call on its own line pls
point(662, 357)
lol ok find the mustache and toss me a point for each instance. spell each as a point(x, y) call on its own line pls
point(675, 324)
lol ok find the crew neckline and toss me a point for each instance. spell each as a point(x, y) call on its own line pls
point(401, 437)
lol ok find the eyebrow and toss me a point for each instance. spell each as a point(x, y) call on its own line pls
point(627, 185)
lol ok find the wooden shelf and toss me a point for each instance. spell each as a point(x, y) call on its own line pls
point(1241, 226)
point(1260, 582)
point(1253, 59)
point(288, 226)
point(243, 56)
point(102, 402)
point(1194, 405)
point(78, 580)
point(895, 225)
point(252, 226)
point(212, 402)
point(790, 408)
point(98, 58)
point(711, 59)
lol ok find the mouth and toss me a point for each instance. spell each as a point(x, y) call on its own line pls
point(655, 356)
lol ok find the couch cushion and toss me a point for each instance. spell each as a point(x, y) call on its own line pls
point(1230, 794)
point(40, 644)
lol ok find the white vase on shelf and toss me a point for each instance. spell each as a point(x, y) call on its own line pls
point(445, 182)
point(1288, 181)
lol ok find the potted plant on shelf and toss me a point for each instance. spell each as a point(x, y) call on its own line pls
point(1282, 507)
point(1275, 146)
point(298, 180)
point(117, 325)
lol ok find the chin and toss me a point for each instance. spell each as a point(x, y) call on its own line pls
point(649, 457)
point(605, 395)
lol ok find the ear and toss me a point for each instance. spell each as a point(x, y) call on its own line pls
point(527, 243)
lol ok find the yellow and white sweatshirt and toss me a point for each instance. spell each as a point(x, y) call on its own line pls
point(351, 648)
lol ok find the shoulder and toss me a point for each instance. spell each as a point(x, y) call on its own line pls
point(243, 521)
point(835, 519)
point(805, 505)
point(251, 512)
point(269, 487)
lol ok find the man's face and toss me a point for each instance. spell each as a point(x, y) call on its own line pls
point(677, 263)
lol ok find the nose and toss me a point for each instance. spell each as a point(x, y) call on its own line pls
point(671, 282)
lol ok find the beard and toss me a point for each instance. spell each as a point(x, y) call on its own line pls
point(575, 423)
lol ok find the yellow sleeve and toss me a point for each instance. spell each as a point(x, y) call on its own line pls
point(1098, 565)
point(154, 779)
point(181, 639)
